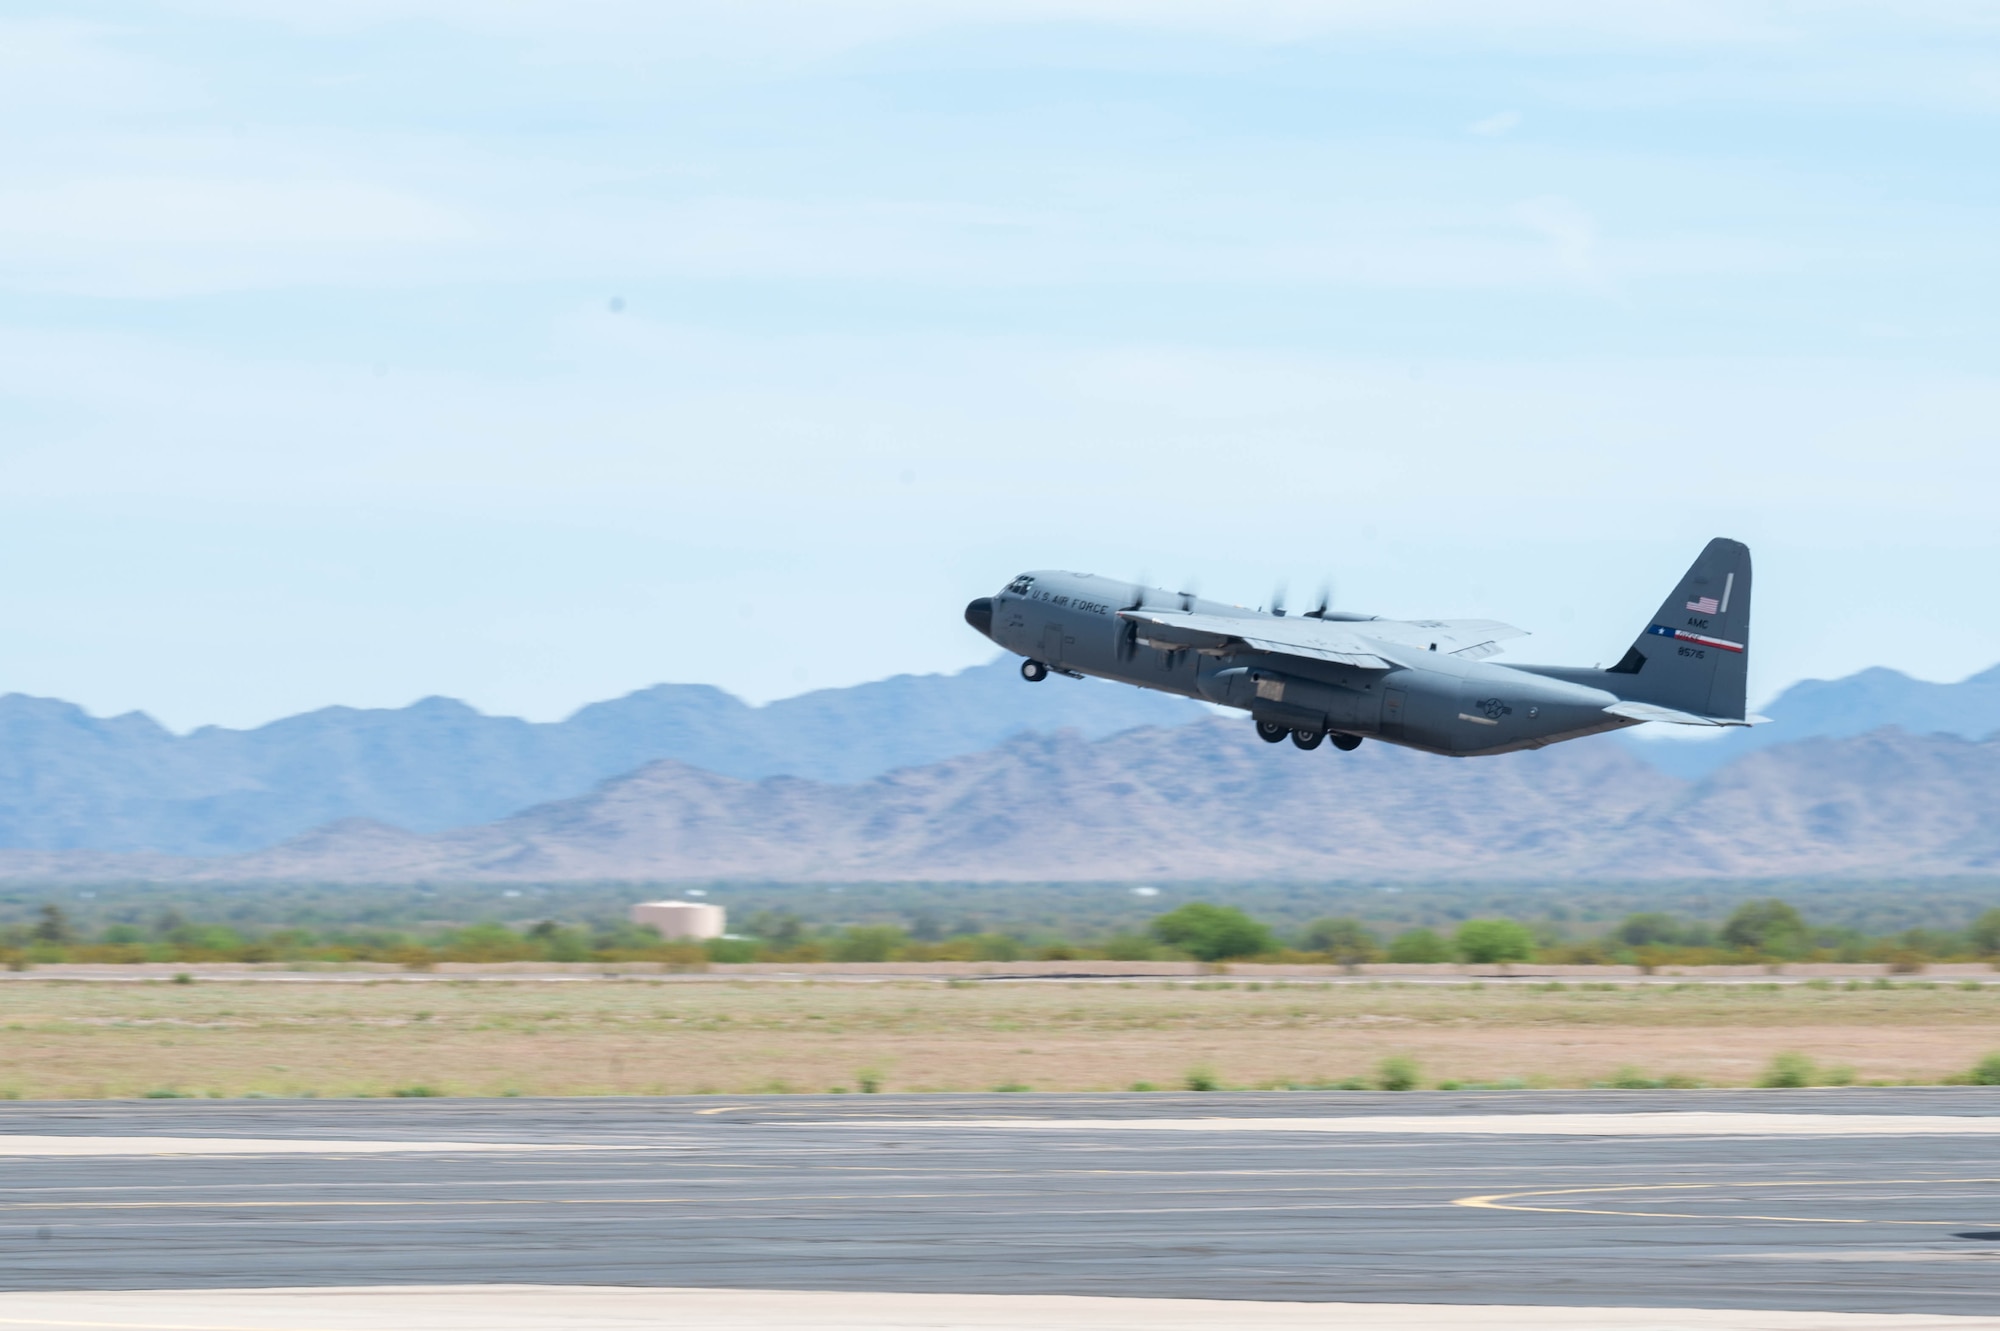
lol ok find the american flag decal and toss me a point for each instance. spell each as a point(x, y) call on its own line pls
point(1704, 605)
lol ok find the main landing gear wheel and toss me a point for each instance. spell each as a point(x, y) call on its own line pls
point(1346, 743)
point(1308, 739)
point(1034, 671)
point(1271, 732)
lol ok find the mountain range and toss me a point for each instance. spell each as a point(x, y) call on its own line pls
point(972, 775)
point(1200, 802)
point(71, 781)
point(1852, 705)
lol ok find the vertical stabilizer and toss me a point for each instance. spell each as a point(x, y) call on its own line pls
point(1694, 655)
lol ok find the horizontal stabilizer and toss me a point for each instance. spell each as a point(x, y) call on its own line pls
point(1645, 711)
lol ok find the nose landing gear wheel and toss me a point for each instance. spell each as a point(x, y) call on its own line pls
point(1271, 732)
point(1034, 671)
point(1308, 739)
point(1346, 743)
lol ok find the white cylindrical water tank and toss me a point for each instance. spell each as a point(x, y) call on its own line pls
point(680, 919)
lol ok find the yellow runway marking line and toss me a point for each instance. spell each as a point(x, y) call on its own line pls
point(1505, 1201)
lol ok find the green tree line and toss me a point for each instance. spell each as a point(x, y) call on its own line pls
point(1760, 931)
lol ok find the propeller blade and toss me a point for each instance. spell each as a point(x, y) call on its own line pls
point(1128, 632)
point(1278, 600)
point(1325, 601)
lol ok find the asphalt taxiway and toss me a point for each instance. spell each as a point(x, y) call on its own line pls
point(1856, 1201)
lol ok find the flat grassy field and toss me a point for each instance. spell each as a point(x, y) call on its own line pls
point(60, 1040)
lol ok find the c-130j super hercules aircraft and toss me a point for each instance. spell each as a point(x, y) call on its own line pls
point(1421, 683)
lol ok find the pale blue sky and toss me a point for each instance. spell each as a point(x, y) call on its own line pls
point(535, 352)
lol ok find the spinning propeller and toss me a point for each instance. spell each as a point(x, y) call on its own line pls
point(1128, 632)
point(1317, 612)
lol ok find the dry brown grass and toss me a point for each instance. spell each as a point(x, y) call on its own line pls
point(633, 1037)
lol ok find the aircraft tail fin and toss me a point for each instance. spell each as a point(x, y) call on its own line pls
point(1694, 654)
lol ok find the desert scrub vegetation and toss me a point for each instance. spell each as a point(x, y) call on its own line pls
point(1764, 930)
point(340, 1037)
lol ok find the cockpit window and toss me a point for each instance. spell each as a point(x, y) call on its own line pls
point(1021, 585)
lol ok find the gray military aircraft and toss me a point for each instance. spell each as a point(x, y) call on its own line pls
point(1421, 683)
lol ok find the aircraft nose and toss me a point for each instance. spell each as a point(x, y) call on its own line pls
point(979, 614)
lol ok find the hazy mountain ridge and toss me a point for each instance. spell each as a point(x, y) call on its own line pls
point(1852, 705)
point(70, 781)
point(1885, 801)
point(1207, 801)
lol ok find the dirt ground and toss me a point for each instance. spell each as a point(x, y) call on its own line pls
point(60, 1040)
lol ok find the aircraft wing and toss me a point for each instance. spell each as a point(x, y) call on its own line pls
point(1324, 640)
point(1472, 639)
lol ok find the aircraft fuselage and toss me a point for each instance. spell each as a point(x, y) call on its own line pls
point(1425, 700)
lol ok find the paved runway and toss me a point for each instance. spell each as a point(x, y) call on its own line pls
point(1442, 1198)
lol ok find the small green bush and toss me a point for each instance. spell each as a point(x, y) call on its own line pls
point(1419, 947)
point(1489, 942)
point(1770, 927)
point(1343, 939)
point(416, 1092)
point(1986, 1072)
point(1788, 1071)
point(1658, 929)
point(870, 1081)
point(1984, 934)
point(1209, 932)
point(1398, 1072)
point(1202, 1079)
